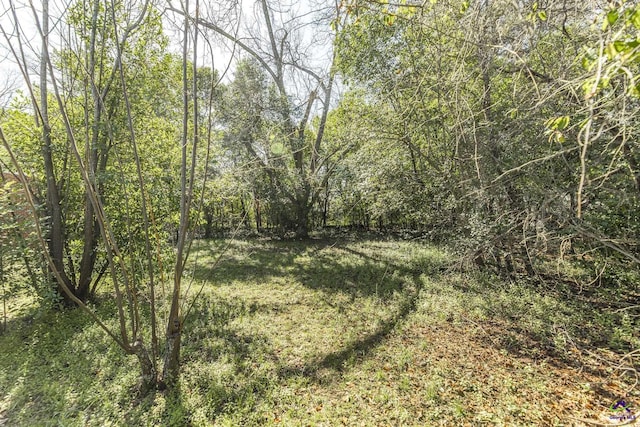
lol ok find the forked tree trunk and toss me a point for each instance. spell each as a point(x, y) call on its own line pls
point(91, 234)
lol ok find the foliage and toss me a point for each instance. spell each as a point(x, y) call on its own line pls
point(105, 181)
point(479, 113)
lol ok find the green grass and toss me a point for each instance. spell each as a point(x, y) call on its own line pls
point(345, 332)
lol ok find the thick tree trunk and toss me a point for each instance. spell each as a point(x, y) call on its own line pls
point(88, 261)
point(302, 208)
point(171, 369)
point(149, 376)
point(302, 230)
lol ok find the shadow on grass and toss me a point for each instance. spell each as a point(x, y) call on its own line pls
point(59, 368)
point(175, 412)
point(314, 264)
point(243, 262)
point(62, 364)
point(335, 361)
point(46, 365)
point(360, 273)
point(532, 321)
point(251, 368)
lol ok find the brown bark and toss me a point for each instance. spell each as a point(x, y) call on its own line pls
point(258, 212)
point(91, 231)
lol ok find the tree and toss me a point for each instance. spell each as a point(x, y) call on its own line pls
point(88, 76)
point(469, 90)
point(608, 190)
point(281, 57)
point(105, 126)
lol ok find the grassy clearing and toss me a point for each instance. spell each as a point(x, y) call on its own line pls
point(346, 332)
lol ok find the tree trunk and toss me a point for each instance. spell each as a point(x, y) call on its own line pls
point(258, 212)
point(302, 210)
point(4, 294)
point(325, 206)
point(171, 369)
point(149, 376)
point(244, 213)
point(88, 261)
point(55, 233)
point(208, 222)
point(91, 227)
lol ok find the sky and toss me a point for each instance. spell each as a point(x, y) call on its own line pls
point(244, 19)
point(10, 77)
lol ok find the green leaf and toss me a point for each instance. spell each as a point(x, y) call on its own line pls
point(633, 44)
point(612, 16)
point(389, 19)
point(635, 18)
point(588, 63)
point(621, 46)
point(464, 7)
point(277, 148)
point(542, 15)
point(613, 49)
point(587, 88)
point(558, 123)
point(563, 122)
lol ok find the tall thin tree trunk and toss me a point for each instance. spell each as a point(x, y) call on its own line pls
point(55, 233)
point(244, 213)
point(325, 207)
point(4, 293)
point(187, 170)
point(256, 203)
point(91, 232)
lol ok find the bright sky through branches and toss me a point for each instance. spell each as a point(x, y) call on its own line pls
point(305, 25)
